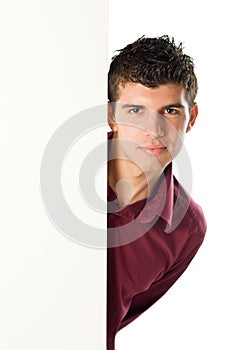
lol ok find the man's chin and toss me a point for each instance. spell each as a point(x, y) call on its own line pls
point(145, 162)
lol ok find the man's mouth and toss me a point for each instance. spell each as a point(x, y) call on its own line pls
point(154, 149)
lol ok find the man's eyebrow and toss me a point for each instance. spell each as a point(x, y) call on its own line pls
point(173, 105)
point(129, 105)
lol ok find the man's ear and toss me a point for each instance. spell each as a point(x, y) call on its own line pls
point(192, 118)
point(111, 120)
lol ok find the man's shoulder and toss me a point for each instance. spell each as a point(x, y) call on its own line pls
point(197, 215)
point(193, 214)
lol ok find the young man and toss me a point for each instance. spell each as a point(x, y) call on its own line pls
point(154, 227)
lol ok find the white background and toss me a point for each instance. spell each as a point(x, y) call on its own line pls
point(196, 313)
point(53, 64)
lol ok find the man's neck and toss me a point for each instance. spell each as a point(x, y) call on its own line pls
point(129, 182)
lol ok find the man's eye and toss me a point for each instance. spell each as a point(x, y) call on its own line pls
point(171, 111)
point(135, 110)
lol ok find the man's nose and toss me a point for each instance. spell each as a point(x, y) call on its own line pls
point(154, 124)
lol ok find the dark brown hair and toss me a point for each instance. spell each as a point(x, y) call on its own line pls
point(152, 62)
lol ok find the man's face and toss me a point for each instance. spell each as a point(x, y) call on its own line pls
point(150, 123)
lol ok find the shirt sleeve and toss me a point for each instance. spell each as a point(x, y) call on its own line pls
point(158, 288)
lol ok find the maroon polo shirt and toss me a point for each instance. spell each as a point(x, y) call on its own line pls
point(150, 244)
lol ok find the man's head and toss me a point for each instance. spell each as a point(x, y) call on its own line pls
point(152, 62)
point(152, 90)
